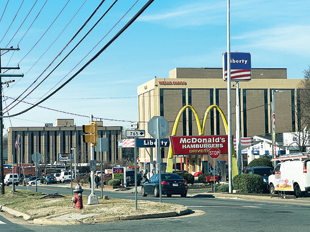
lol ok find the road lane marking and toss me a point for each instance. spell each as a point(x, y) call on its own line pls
point(1, 222)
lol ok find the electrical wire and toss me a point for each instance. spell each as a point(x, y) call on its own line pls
point(44, 32)
point(4, 10)
point(12, 21)
point(85, 23)
point(21, 24)
point(24, 36)
point(90, 61)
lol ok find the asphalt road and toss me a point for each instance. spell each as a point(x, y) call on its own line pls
point(209, 214)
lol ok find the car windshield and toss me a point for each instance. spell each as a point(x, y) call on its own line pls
point(263, 171)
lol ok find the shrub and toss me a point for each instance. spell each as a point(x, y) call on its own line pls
point(261, 162)
point(248, 183)
point(187, 176)
point(223, 188)
point(107, 180)
point(114, 182)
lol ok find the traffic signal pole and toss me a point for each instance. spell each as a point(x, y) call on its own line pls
point(92, 198)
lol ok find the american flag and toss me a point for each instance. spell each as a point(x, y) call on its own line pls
point(126, 143)
point(17, 143)
point(240, 74)
point(245, 141)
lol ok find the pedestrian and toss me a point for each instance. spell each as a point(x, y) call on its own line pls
point(97, 180)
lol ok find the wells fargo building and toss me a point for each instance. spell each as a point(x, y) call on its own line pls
point(50, 141)
point(202, 87)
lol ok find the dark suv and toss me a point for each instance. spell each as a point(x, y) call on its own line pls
point(130, 178)
point(263, 171)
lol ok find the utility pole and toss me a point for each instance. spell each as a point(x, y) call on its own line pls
point(1, 111)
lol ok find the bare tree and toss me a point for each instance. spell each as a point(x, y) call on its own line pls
point(303, 104)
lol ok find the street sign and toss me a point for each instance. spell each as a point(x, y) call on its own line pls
point(63, 157)
point(102, 145)
point(135, 133)
point(134, 126)
point(36, 157)
point(158, 127)
point(151, 142)
point(214, 152)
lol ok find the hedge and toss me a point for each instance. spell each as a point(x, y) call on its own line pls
point(202, 178)
point(114, 182)
point(261, 162)
point(248, 183)
point(187, 176)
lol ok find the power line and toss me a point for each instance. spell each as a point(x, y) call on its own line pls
point(91, 60)
point(4, 9)
point(85, 23)
point(12, 21)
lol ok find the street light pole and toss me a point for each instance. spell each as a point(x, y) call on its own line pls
point(74, 149)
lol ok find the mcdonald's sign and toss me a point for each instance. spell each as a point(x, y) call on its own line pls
point(198, 145)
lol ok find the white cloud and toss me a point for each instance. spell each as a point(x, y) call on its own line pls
point(194, 14)
point(292, 39)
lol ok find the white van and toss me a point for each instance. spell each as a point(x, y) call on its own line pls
point(11, 178)
point(65, 176)
point(292, 174)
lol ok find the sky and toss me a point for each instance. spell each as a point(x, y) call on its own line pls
point(169, 34)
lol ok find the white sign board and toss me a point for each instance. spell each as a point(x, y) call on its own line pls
point(135, 133)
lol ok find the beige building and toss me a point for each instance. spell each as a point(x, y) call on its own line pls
point(202, 87)
point(51, 140)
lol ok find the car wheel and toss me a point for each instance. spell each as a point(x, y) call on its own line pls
point(143, 192)
point(168, 195)
point(156, 192)
point(183, 194)
point(271, 189)
point(297, 191)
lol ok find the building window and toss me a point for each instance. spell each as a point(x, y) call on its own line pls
point(190, 123)
point(217, 115)
point(212, 114)
point(245, 134)
point(266, 111)
point(293, 109)
point(161, 92)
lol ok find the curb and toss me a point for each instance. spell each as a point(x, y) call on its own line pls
point(91, 219)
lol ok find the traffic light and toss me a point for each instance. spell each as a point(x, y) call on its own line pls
point(91, 135)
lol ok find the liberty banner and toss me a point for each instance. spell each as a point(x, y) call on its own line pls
point(197, 145)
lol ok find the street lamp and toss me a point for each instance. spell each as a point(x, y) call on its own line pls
point(74, 161)
point(273, 123)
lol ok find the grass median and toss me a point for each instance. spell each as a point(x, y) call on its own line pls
point(38, 205)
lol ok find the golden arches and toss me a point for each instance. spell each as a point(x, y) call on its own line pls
point(201, 132)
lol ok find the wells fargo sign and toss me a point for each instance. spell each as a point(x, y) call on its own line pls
point(195, 145)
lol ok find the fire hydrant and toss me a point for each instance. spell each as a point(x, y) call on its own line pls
point(78, 199)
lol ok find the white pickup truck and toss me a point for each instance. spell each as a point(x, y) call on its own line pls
point(292, 174)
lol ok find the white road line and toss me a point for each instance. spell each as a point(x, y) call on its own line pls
point(1, 222)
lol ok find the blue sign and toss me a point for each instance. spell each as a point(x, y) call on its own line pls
point(240, 66)
point(151, 143)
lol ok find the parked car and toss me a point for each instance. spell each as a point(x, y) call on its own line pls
point(50, 179)
point(130, 178)
point(263, 171)
point(11, 178)
point(33, 182)
point(171, 184)
point(57, 177)
point(197, 174)
point(65, 176)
